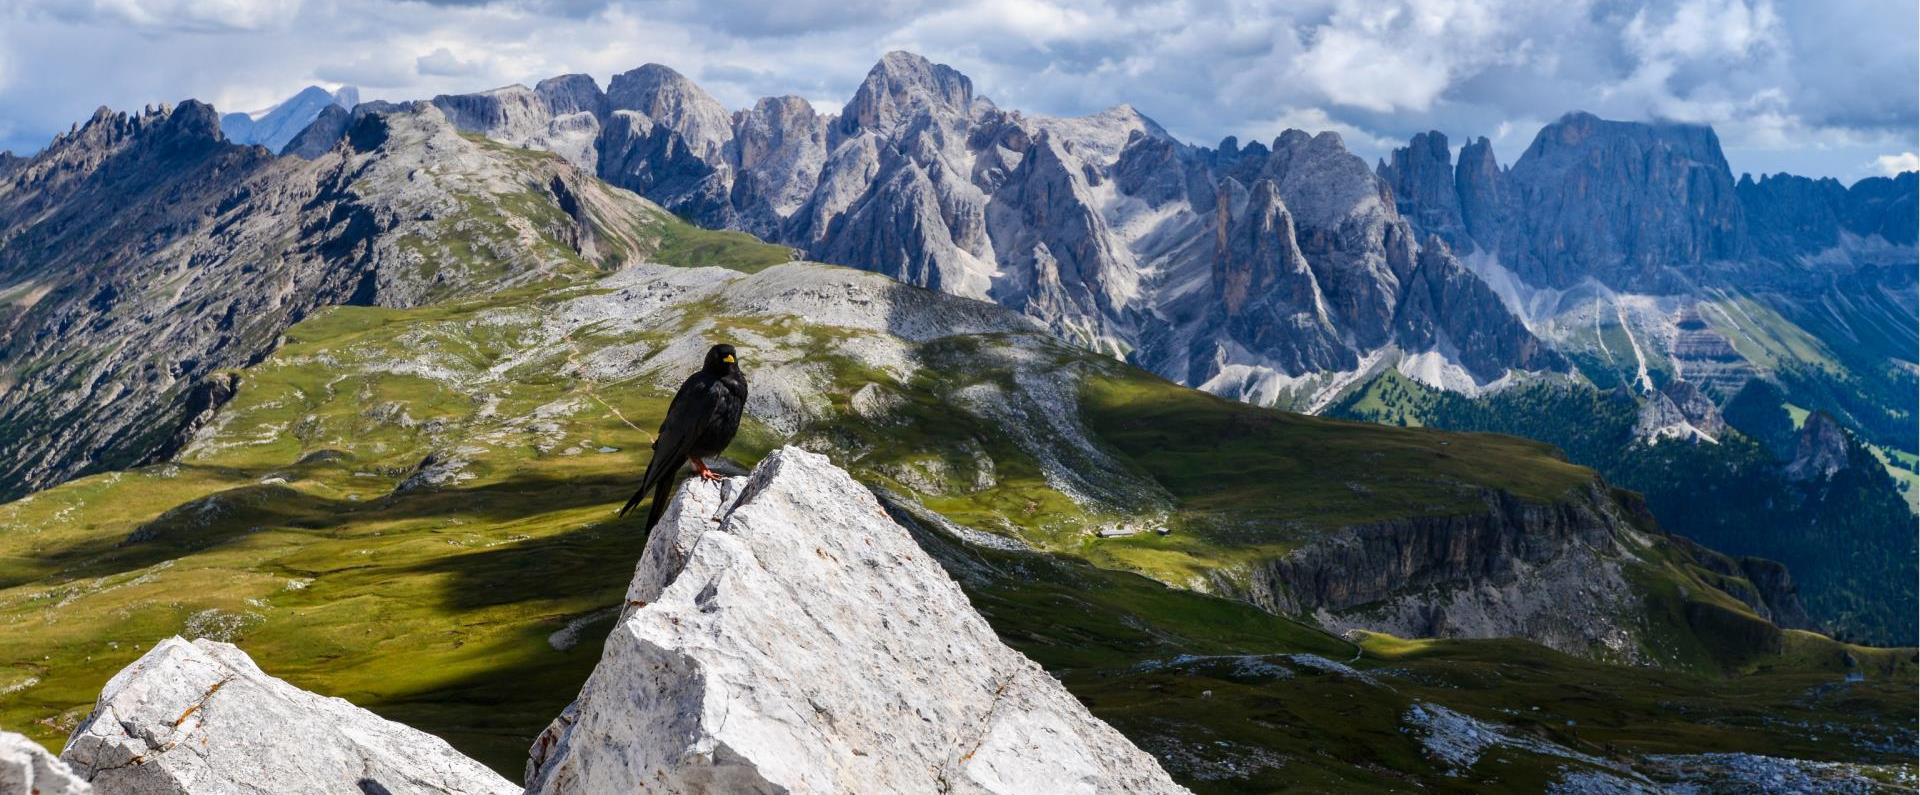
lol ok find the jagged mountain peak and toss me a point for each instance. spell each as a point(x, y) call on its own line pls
point(574, 93)
point(901, 85)
point(672, 99)
point(274, 127)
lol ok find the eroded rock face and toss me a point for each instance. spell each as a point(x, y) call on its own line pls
point(201, 718)
point(1632, 205)
point(783, 635)
point(27, 769)
point(1444, 307)
point(1422, 178)
point(1548, 573)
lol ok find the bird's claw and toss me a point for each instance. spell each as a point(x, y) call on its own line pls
point(710, 475)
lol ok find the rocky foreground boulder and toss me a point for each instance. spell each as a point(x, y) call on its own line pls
point(200, 718)
point(26, 768)
point(782, 634)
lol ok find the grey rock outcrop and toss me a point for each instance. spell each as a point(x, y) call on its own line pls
point(568, 94)
point(199, 717)
point(782, 634)
point(509, 113)
point(670, 99)
point(779, 148)
point(1820, 449)
point(1549, 573)
point(1681, 411)
point(902, 87)
point(1268, 292)
point(1484, 199)
point(1779, 592)
point(27, 769)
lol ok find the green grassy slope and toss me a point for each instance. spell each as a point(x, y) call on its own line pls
point(473, 609)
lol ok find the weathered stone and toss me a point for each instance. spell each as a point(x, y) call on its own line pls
point(200, 718)
point(27, 769)
point(783, 634)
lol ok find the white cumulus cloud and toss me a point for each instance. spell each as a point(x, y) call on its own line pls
point(1894, 164)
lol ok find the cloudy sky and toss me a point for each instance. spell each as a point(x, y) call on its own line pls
point(1820, 88)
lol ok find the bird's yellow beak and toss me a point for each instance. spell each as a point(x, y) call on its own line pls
point(728, 359)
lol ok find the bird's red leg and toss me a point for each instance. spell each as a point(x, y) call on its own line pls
point(700, 467)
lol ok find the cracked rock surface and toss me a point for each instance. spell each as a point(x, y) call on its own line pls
point(782, 634)
point(199, 717)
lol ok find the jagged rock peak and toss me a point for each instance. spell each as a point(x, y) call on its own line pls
point(1421, 175)
point(572, 94)
point(27, 769)
point(1482, 188)
point(783, 635)
point(200, 717)
point(901, 85)
point(669, 98)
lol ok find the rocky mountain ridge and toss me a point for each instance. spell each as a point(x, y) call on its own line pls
point(1105, 228)
point(141, 253)
point(1124, 240)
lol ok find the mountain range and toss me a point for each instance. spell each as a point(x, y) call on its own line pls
point(364, 405)
point(1276, 272)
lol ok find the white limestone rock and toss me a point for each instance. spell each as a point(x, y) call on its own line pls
point(26, 768)
point(783, 634)
point(199, 717)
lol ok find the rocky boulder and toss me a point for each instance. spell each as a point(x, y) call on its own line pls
point(27, 769)
point(782, 634)
point(200, 717)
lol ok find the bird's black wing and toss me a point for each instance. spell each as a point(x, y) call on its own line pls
point(687, 417)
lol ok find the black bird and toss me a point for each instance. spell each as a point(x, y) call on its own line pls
point(700, 422)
